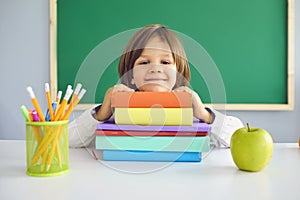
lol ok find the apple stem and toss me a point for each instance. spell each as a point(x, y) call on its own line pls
point(248, 127)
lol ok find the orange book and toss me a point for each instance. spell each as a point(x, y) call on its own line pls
point(151, 100)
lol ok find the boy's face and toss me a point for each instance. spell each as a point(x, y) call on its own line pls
point(155, 70)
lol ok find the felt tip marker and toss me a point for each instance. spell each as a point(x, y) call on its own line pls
point(54, 105)
point(53, 108)
point(35, 116)
point(25, 113)
point(47, 116)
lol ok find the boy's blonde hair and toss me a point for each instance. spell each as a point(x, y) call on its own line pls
point(136, 45)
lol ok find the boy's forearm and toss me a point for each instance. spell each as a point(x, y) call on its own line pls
point(203, 115)
point(105, 111)
point(199, 110)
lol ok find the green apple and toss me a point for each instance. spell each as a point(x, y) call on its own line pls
point(251, 148)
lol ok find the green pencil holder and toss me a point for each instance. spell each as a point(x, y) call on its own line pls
point(47, 148)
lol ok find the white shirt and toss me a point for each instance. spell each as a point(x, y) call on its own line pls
point(81, 129)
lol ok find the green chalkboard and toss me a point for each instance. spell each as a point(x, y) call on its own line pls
point(237, 50)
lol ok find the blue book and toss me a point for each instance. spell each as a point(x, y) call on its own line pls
point(157, 156)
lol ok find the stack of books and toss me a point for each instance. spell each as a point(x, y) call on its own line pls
point(152, 126)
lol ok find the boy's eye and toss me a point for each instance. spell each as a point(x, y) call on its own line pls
point(143, 62)
point(165, 62)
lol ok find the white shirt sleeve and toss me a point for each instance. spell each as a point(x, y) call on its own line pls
point(222, 128)
point(82, 128)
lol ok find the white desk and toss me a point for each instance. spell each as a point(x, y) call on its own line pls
point(216, 177)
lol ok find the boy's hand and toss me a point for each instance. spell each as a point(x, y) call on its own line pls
point(196, 101)
point(105, 110)
point(121, 88)
point(185, 89)
point(198, 107)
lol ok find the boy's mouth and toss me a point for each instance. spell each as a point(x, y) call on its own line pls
point(155, 79)
point(154, 87)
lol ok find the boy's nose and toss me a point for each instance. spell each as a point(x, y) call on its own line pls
point(156, 69)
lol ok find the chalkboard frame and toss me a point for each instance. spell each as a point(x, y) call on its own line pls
point(290, 66)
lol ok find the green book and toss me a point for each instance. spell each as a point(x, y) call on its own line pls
point(153, 143)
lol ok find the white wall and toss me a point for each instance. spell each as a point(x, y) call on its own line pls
point(24, 60)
